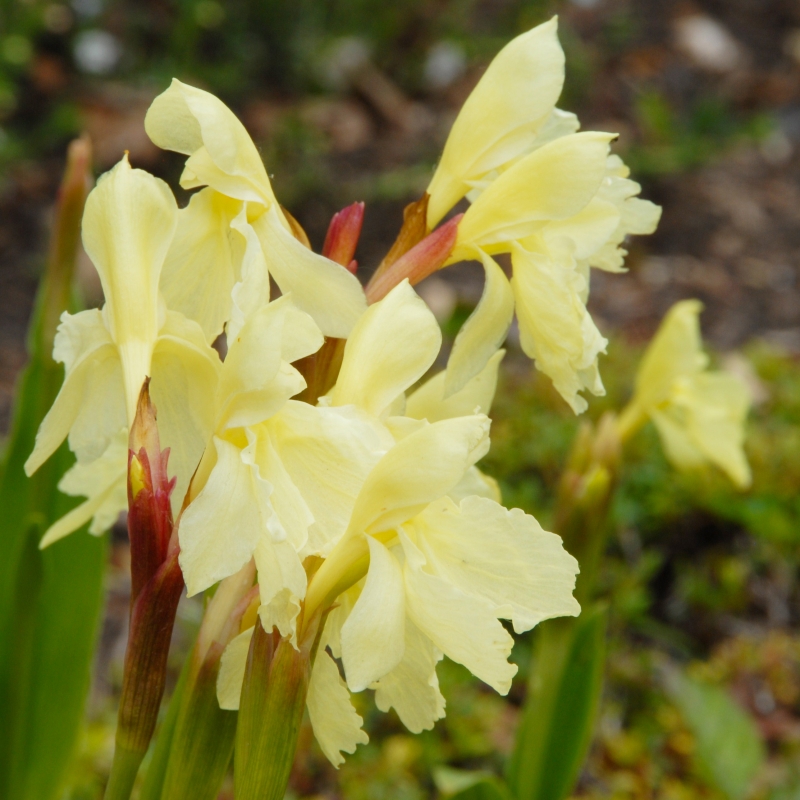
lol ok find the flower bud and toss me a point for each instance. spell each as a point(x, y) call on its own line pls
point(343, 235)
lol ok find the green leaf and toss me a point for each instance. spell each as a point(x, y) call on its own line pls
point(469, 784)
point(559, 714)
point(484, 789)
point(49, 610)
point(49, 600)
point(729, 749)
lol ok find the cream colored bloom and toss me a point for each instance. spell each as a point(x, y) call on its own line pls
point(699, 414)
point(553, 198)
point(278, 477)
point(236, 213)
point(501, 118)
point(428, 561)
point(128, 224)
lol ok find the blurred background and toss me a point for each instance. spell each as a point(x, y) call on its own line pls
point(352, 100)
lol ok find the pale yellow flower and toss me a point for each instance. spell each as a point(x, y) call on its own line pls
point(699, 415)
point(234, 216)
point(553, 198)
point(428, 561)
point(278, 476)
point(128, 224)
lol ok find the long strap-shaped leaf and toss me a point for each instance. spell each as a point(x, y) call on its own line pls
point(559, 717)
point(49, 600)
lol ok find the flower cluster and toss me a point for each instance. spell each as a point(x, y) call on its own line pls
point(376, 539)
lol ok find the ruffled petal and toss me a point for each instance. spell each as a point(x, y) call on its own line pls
point(291, 516)
point(502, 556)
point(255, 380)
point(554, 182)
point(704, 421)
point(328, 453)
point(463, 626)
point(412, 687)
point(104, 482)
point(478, 484)
point(336, 725)
point(69, 404)
point(252, 290)
point(282, 585)
point(485, 330)
point(391, 347)
point(419, 469)
point(556, 330)
point(720, 403)
point(373, 637)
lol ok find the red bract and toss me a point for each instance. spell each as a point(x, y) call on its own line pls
point(343, 235)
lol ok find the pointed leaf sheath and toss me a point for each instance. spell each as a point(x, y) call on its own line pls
point(273, 701)
point(149, 490)
point(157, 583)
point(197, 749)
point(422, 260)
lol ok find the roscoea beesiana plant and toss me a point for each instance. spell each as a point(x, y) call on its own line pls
point(315, 482)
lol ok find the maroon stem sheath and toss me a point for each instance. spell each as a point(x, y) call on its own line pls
point(152, 620)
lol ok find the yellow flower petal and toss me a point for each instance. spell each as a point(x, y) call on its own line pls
point(327, 291)
point(391, 347)
point(252, 290)
point(502, 115)
point(412, 687)
point(291, 516)
point(222, 154)
point(255, 380)
point(428, 402)
point(184, 378)
point(554, 182)
point(484, 331)
point(231, 671)
point(328, 453)
point(463, 626)
point(198, 273)
point(282, 585)
point(373, 635)
point(419, 469)
point(220, 529)
point(128, 224)
point(476, 483)
point(502, 556)
point(104, 482)
point(69, 403)
point(556, 330)
point(675, 351)
point(336, 725)
point(720, 402)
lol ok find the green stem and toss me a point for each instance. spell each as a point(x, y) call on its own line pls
point(271, 710)
point(123, 773)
